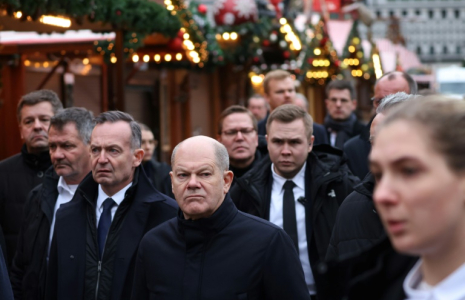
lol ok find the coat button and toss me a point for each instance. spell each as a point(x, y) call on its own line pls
point(40, 174)
point(72, 257)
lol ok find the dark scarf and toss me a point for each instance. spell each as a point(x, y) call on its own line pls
point(40, 162)
point(344, 129)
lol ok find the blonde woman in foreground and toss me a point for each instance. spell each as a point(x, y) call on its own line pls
point(418, 161)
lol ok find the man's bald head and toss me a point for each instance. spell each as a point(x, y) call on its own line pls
point(391, 83)
point(199, 142)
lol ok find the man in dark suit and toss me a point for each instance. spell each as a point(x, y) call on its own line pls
point(340, 122)
point(97, 234)
point(297, 187)
point(280, 89)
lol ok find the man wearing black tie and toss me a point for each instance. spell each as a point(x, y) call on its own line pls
point(296, 188)
point(97, 234)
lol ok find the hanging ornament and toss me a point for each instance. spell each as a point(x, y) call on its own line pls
point(202, 8)
point(256, 59)
point(180, 34)
point(286, 54)
point(234, 12)
point(310, 61)
point(266, 43)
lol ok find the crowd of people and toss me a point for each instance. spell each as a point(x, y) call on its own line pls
point(275, 206)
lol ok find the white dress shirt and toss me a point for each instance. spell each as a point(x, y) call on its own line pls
point(450, 288)
point(276, 217)
point(65, 194)
point(118, 198)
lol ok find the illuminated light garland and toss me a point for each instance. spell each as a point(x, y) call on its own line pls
point(56, 21)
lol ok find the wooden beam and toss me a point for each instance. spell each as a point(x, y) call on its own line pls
point(50, 74)
point(119, 52)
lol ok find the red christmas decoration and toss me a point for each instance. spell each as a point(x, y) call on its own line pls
point(234, 12)
point(118, 12)
point(266, 43)
point(337, 63)
point(175, 44)
point(310, 60)
point(180, 34)
point(202, 8)
point(323, 41)
point(286, 54)
point(256, 59)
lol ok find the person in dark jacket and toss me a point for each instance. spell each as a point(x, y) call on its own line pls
point(211, 250)
point(280, 89)
point(237, 131)
point(6, 292)
point(321, 181)
point(340, 122)
point(69, 137)
point(358, 148)
point(158, 172)
point(358, 226)
point(20, 173)
point(97, 234)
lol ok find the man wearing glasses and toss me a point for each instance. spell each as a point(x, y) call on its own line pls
point(237, 131)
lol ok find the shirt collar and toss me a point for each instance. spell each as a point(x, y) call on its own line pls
point(63, 187)
point(299, 178)
point(450, 288)
point(118, 197)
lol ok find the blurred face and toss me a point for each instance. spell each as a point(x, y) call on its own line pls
point(199, 186)
point(280, 92)
point(35, 120)
point(113, 160)
point(387, 87)
point(420, 200)
point(239, 138)
point(148, 144)
point(376, 121)
point(258, 107)
point(288, 147)
point(339, 104)
point(69, 154)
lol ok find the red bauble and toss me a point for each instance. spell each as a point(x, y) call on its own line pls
point(266, 43)
point(175, 44)
point(310, 60)
point(323, 41)
point(337, 63)
point(286, 54)
point(234, 12)
point(275, 2)
point(256, 59)
point(118, 12)
point(202, 8)
point(180, 34)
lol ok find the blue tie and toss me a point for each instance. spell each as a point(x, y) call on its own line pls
point(104, 224)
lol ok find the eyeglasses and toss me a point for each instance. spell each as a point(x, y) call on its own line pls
point(376, 101)
point(233, 132)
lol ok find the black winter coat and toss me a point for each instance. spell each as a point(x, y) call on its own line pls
point(377, 273)
point(159, 175)
point(227, 256)
point(19, 174)
point(28, 271)
point(327, 182)
point(358, 226)
point(357, 150)
point(75, 271)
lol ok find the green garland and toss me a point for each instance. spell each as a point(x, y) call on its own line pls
point(141, 16)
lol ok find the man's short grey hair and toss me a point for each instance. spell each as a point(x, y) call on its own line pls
point(116, 116)
point(392, 100)
point(221, 153)
point(81, 117)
